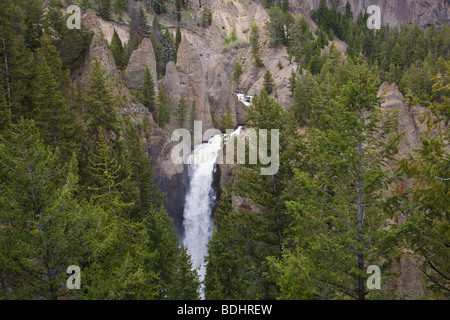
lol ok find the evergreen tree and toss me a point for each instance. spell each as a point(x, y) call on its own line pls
point(163, 246)
point(118, 51)
point(206, 18)
point(332, 61)
point(138, 28)
point(315, 64)
point(182, 110)
point(52, 112)
point(339, 210)
point(120, 269)
point(279, 65)
point(148, 209)
point(268, 3)
point(255, 45)
point(302, 41)
point(268, 83)
point(304, 93)
point(54, 20)
point(322, 39)
point(179, 7)
point(426, 200)
point(71, 43)
point(34, 168)
point(159, 53)
point(278, 27)
point(100, 104)
point(348, 11)
point(34, 23)
point(292, 81)
point(159, 6)
point(51, 54)
point(148, 196)
point(105, 171)
point(192, 116)
point(48, 230)
point(15, 63)
point(43, 229)
point(105, 9)
point(237, 73)
point(119, 7)
point(234, 271)
point(238, 265)
point(163, 109)
point(178, 38)
point(148, 91)
point(397, 56)
point(169, 47)
point(227, 121)
point(5, 116)
point(185, 284)
point(284, 5)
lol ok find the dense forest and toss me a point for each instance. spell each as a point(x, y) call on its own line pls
point(77, 184)
point(335, 205)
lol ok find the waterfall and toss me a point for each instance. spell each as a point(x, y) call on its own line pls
point(200, 200)
point(244, 98)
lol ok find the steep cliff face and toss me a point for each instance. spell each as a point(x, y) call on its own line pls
point(98, 49)
point(408, 283)
point(394, 12)
point(408, 118)
point(406, 12)
point(187, 78)
point(217, 59)
point(140, 59)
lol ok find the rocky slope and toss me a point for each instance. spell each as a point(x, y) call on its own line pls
point(408, 284)
point(394, 12)
point(187, 78)
point(406, 12)
point(140, 59)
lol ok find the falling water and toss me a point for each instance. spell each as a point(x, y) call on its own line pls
point(200, 199)
point(244, 98)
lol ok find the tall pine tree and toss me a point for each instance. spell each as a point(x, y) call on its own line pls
point(148, 91)
point(337, 195)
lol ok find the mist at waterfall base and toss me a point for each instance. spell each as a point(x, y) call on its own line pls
point(200, 199)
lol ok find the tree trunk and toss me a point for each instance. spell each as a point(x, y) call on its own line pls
point(360, 217)
point(8, 85)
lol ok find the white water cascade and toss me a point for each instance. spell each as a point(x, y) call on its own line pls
point(244, 98)
point(200, 199)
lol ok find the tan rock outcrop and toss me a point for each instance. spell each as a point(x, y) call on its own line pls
point(406, 12)
point(188, 78)
point(98, 49)
point(141, 58)
point(408, 118)
point(408, 283)
point(220, 92)
point(393, 12)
